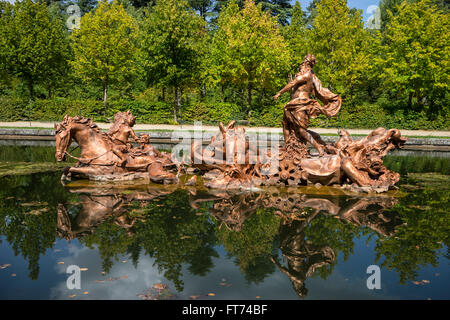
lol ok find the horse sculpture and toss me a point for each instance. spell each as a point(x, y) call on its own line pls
point(230, 162)
point(98, 161)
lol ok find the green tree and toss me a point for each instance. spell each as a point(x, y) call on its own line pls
point(424, 236)
point(202, 6)
point(35, 43)
point(311, 13)
point(142, 3)
point(415, 55)
point(280, 8)
point(173, 46)
point(104, 46)
point(391, 6)
point(340, 43)
point(385, 7)
point(253, 245)
point(248, 49)
point(296, 34)
point(219, 5)
point(6, 17)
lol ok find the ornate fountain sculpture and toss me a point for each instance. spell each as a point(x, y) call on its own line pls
point(109, 156)
point(355, 164)
point(230, 161)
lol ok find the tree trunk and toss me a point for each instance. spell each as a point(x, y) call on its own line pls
point(249, 96)
point(420, 100)
point(410, 100)
point(203, 13)
point(30, 88)
point(351, 97)
point(176, 103)
point(203, 91)
point(105, 93)
point(223, 92)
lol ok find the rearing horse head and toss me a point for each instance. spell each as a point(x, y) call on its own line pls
point(63, 138)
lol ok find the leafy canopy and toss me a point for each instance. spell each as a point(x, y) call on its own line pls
point(105, 45)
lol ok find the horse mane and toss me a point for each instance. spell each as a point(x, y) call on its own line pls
point(81, 120)
point(88, 122)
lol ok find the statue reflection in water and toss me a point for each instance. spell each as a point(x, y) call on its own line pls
point(100, 203)
point(304, 256)
point(296, 210)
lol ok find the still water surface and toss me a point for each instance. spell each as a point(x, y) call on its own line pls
point(169, 242)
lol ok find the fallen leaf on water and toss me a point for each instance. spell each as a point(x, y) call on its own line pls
point(103, 272)
point(154, 294)
point(83, 269)
point(37, 211)
point(211, 294)
point(33, 204)
point(60, 262)
point(4, 266)
point(124, 276)
point(223, 284)
point(86, 292)
point(160, 286)
point(124, 261)
point(13, 275)
point(425, 281)
point(100, 281)
point(72, 296)
point(258, 297)
point(194, 297)
point(57, 250)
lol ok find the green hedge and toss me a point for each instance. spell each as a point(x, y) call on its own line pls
point(211, 114)
point(55, 109)
point(362, 116)
point(368, 116)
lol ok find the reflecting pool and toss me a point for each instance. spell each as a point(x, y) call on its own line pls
point(134, 241)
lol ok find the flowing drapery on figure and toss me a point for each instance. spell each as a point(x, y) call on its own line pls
point(298, 111)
